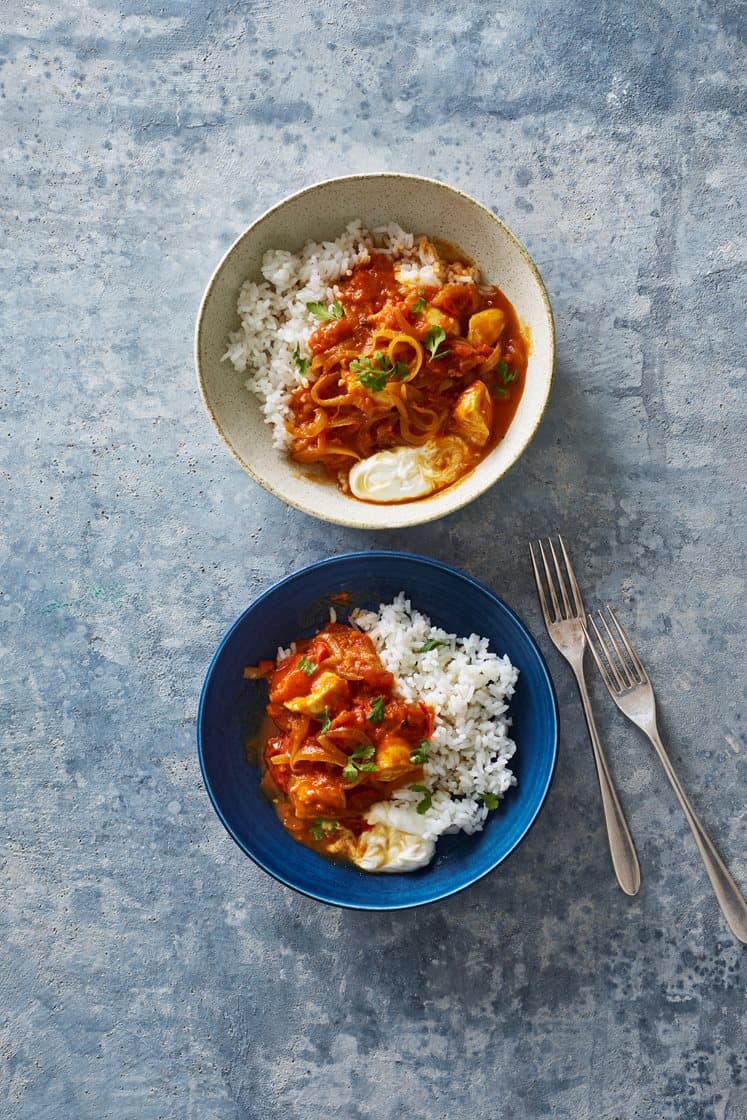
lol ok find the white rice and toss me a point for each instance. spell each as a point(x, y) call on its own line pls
point(469, 688)
point(274, 316)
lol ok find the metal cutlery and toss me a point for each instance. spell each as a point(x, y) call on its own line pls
point(629, 686)
point(564, 619)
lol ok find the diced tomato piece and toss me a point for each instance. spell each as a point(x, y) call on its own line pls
point(289, 681)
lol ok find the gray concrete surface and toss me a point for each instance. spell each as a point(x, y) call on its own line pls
point(149, 970)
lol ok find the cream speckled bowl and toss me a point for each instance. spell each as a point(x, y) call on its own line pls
point(321, 212)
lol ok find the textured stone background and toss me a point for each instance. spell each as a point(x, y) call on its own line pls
point(149, 969)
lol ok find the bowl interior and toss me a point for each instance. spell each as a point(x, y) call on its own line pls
point(321, 212)
point(231, 709)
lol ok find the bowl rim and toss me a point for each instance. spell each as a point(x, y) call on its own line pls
point(351, 522)
point(366, 556)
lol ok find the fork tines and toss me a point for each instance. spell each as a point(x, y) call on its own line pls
point(557, 614)
point(616, 659)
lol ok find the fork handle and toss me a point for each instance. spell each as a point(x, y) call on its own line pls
point(730, 898)
point(622, 850)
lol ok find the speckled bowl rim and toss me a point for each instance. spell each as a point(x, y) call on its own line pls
point(428, 562)
point(423, 516)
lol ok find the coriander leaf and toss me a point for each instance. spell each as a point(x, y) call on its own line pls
point(350, 773)
point(325, 314)
point(302, 364)
point(424, 805)
point(419, 755)
point(433, 340)
point(432, 643)
point(420, 303)
point(324, 719)
point(376, 713)
point(365, 750)
point(373, 374)
point(367, 766)
point(490, 800)
point(374, 382)
point(320, 828)
point(307, 667)
point(506, 375)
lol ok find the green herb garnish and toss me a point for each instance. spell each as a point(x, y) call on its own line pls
point(419, 756)
point(420, 303)
point(324, 719)
point(374, 382)
point(376, 711)
point(307, 667)
point(302, 364)
point(373, 375)
point(507, 377)
point(326, 314)
point(424, 805)
point(490, 800)
point(432, 643)
point(433, 339)
point(321, 828)
point(356, 762)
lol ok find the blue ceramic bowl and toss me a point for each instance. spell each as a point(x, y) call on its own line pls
point(231, 709)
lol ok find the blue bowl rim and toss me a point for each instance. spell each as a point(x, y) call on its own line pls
point(329, 561)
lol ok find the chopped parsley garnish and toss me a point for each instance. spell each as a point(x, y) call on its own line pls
point(324, 719)
point(432, 643)
point(420, 303)
point(490, 800)
point(374, 382)
point(307, 667)
point(506, 377)
point(373, 375)
point(419, 755)
point(357, 763)
point(326, 314)
point(424, 805)
point(376, 710)
point(302, 364)
point(432, 340)
point(321, 828)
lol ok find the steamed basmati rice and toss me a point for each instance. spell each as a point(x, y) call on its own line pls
point(469, 688)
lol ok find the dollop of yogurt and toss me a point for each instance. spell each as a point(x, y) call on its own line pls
point(395, 842)
point(410, 472)
point(390, 476)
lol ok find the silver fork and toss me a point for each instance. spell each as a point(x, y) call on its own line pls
point(630, 688)
point(566, 629)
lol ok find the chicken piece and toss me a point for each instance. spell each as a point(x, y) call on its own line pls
point(457, 300)
point(473, 414)
point(436, 318)
point(393, 758)
point(355, 656)
point(288, 681)
point(316, 794)
point(328, 692)
point(486, 327)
